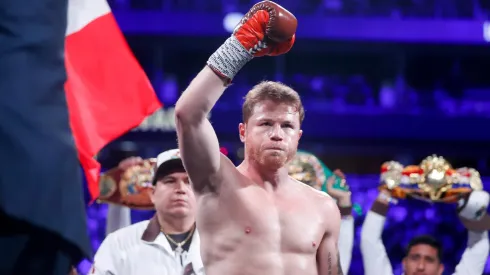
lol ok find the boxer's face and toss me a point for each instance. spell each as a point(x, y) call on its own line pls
point(422, 259)
point(271, 134)
point(173, 195)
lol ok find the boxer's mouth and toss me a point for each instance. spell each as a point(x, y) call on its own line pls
point(275, 148)
point(179, 201)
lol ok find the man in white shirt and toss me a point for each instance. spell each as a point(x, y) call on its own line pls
point(167, 243)
point(424, 252)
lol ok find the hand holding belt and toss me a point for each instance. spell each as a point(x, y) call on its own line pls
point(309, 169)
point(433, 180)
point(130, 187)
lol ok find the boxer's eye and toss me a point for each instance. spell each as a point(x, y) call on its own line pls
point(288, 126)
point(266, 123)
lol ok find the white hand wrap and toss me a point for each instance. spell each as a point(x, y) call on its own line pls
point(228, 59)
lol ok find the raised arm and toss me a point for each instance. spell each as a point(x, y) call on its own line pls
point(346, 236)
point(267, 29)
point(118, 217)
point(472, 212)
point(373, 251)
point(475, 255)
point(198, 143)
point(328, 257)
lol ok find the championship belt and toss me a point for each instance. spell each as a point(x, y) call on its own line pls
point(131, 187)
point(433, 180)
point(308, 169)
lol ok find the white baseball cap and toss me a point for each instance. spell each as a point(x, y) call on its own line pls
point(167, 161)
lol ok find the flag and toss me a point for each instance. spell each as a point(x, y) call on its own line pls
point(107, 91)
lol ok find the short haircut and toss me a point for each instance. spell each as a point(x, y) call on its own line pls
point(427, 240)
point(274, 91)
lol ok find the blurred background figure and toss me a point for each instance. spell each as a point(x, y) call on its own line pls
point(380, 80)
point(424, 253)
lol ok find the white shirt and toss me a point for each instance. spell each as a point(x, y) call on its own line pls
point(346, 242)
point(376, 261)
point(142, 249)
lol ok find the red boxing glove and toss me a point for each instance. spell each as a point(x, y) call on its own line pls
point(267, 29)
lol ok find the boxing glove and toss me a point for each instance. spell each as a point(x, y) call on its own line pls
point(267, 29)
point(474, 206)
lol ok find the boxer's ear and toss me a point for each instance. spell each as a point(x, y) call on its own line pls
point(242, 130)
point(300, 134)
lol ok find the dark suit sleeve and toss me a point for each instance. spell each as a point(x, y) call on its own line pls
point(40, 179)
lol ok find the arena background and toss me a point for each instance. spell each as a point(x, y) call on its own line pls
point(380, 79)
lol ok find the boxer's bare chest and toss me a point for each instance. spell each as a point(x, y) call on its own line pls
point(289, 221)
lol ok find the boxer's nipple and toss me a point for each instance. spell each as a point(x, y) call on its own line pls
point(248, 230)
point(313, 244)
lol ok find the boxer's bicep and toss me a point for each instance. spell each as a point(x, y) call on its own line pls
point(328, 258)
point(198, 143)
point(199, 149)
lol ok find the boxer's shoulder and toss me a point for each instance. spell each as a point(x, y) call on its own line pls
point(323, 200)
point(313, 195)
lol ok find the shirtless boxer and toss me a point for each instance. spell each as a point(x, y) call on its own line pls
point(254, 219)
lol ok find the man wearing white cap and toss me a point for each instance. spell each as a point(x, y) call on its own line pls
point(165, 244)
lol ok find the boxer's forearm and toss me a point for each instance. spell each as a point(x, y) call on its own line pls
point(199, 98)
point(197, 140)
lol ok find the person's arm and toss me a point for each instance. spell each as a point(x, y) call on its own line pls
point(117, 217)
point(477, 225)
point(198, 143)
point(475, 255)
point(328, 257)
point(346, 236)
point(472, 213)
point(346, 240)
point(197, 140)
point(374, 256)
